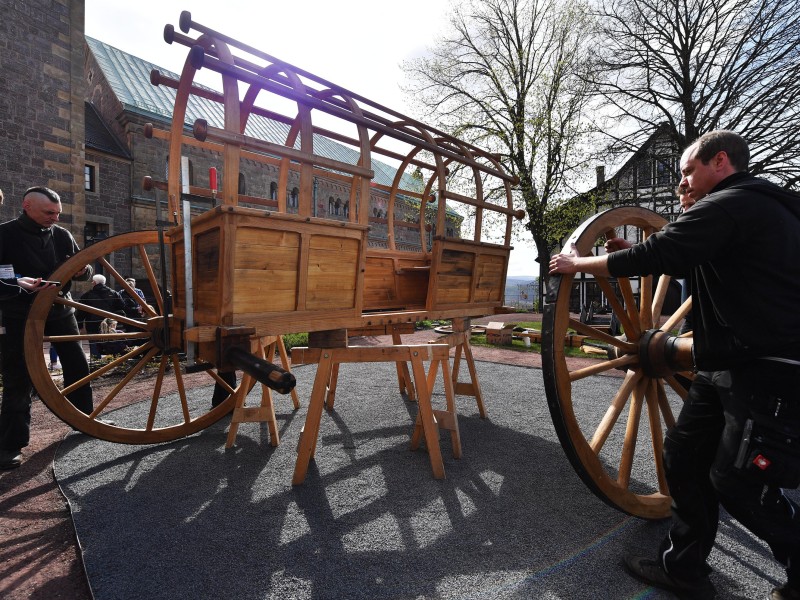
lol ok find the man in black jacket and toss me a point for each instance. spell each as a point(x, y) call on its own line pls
point(104, 298)
point(31, 247)
point(736, 439)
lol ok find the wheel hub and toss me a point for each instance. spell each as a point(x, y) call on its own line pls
point(662, 354)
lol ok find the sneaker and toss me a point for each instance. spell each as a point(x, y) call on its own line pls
point(52, 367)
point(652, 573)
point(785, 592)
point(10, 459)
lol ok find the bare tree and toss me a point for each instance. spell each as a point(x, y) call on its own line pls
point(700, 65)
point(510, 78)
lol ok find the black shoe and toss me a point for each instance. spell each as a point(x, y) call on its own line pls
point(785, 592)
point(10, 459)
point(652, 573)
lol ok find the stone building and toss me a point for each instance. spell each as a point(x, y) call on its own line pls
point(42, 132)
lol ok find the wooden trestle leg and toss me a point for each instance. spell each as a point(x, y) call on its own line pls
point(459, 340)
point(263, 347)
point(329, 358)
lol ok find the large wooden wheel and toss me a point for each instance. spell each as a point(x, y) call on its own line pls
point(615, 442)
point(151, 363)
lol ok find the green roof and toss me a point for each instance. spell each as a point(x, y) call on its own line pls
point(129, 78)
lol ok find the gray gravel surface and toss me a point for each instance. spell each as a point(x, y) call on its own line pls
point(190, 519)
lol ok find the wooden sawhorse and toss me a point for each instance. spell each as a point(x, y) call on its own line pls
point(429, 420)
point(459, 340)
point(263, 347)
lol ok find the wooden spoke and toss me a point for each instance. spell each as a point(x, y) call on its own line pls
point(151, 277)
point(614, 410)
point(659, 297)
point(631, 331)
point(117, 388)
point(106, 368)
point(162, 368)
point(675, 385)
point(630, 307)
point(663, 403)
point(654, 409)
point(645, 307)
point(676, 317)
point(622, 361)
point(631, 433)
point(599, 436)
point(104, 314)
point(597, 334)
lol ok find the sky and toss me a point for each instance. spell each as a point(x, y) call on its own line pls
point(357, 44)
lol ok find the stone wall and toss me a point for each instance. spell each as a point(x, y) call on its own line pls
point(42, 129)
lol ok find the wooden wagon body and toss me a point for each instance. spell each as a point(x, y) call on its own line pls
point(280, 268)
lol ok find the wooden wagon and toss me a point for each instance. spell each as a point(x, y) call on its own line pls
point(245, 270)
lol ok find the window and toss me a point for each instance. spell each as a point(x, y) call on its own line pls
point(242, 184)
point(293, 197)
point(94, 232)
point(90, 177)
point(273, 191)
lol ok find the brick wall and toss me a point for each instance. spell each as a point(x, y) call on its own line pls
point(42, 129)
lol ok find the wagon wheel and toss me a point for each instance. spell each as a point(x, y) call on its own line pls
point(151, 361)
point(605, 437)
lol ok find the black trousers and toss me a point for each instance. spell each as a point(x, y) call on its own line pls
point(700, 452)
point(15, 411)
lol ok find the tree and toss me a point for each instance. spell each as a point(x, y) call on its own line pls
point(510, 78)
point(700, 65)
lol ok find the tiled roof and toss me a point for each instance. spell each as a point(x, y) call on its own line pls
point(99, 137)
point(129, 77)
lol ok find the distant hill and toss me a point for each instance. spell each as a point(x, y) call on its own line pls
point(521, 291)
point(521, 279)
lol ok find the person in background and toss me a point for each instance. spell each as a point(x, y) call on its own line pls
point(104, 298)
point(133, 309)
point(53, 358)
point(736, 441)
point(32, 246)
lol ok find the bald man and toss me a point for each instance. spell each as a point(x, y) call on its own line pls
point(31, 247)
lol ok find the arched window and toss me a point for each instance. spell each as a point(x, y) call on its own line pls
point(242, 184)
point(330, 205)
point(337, 205)
point(273, 191)
point(293, 197)
point(347, 208)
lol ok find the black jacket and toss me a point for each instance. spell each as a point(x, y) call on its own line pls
point(739, 247)
point(103, 297)
point(33, 251)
